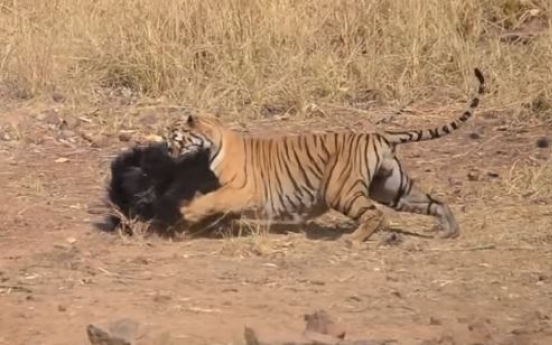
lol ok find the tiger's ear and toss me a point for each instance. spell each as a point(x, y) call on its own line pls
point(191, 121)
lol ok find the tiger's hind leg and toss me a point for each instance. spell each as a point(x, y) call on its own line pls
point(369, 219)
point(393, 187)
point(351, 199)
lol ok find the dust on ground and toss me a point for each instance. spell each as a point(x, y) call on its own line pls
point(490, 286)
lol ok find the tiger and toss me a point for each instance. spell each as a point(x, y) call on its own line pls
point(301, 176)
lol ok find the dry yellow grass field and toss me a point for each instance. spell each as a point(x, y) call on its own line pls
point(263, 54)
point(82, 79)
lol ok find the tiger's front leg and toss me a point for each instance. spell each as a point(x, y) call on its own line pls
point(222, 201)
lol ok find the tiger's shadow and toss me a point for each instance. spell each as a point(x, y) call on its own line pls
point(315, 231)
point(312, 230)
point(321, 232)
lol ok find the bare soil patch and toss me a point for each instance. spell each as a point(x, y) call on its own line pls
point(490, 286)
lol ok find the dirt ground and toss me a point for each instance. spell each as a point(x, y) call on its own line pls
point(492, 285)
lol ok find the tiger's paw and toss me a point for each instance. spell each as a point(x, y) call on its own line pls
point(351, 242)
point(449, 234)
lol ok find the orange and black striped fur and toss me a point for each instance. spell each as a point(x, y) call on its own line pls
point(302, 176)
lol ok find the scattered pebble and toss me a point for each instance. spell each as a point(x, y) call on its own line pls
point(6, 136)
point(98, 336)
point(396, 294)
point(50, 117)
point(96, 141)
point(354, 298)
point(492, 174)
point(69, 123)
point(58, 97)
point(543, 143)
point(434, 321)
point(125, 136)
point(161, 297)
point(475, 135)
point(67, 134)
point(87, 136)
point(473, 175)
point(100, 141)
point(141, 260)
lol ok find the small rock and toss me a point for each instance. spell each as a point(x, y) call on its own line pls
point(62, 246)
point(62, 308)
point(161, 297)
point(126, 328)
point(473, 175)
point(58, 97)
point(539, 315)
point(141, 260)
point(543, 143)
point(6, 136)
point(125, 136)
point(492, 174)
point(475, 135)
point(250, 336)
point(396, 294)
point(97, 141)
point(354, 298)
point(454, 182)
point(434, 321)
point(100, 141)
point(61, 160)
point(97, 336)
point(67, 134)
point(50, 117)
point(321, 322)
point(71, 240)
point(69, 123)
point(87, 136)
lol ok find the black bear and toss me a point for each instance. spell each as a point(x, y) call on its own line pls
point(149, 185)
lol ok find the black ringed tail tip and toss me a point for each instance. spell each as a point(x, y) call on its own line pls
point(479, 75)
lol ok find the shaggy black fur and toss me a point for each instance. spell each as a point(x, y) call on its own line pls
point(149, 184)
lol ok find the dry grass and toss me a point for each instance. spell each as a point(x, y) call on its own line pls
point(277, 56)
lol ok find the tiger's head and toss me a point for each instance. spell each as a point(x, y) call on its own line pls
point(193, 134)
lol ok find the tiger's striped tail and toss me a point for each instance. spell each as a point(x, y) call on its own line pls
point(399, 137)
